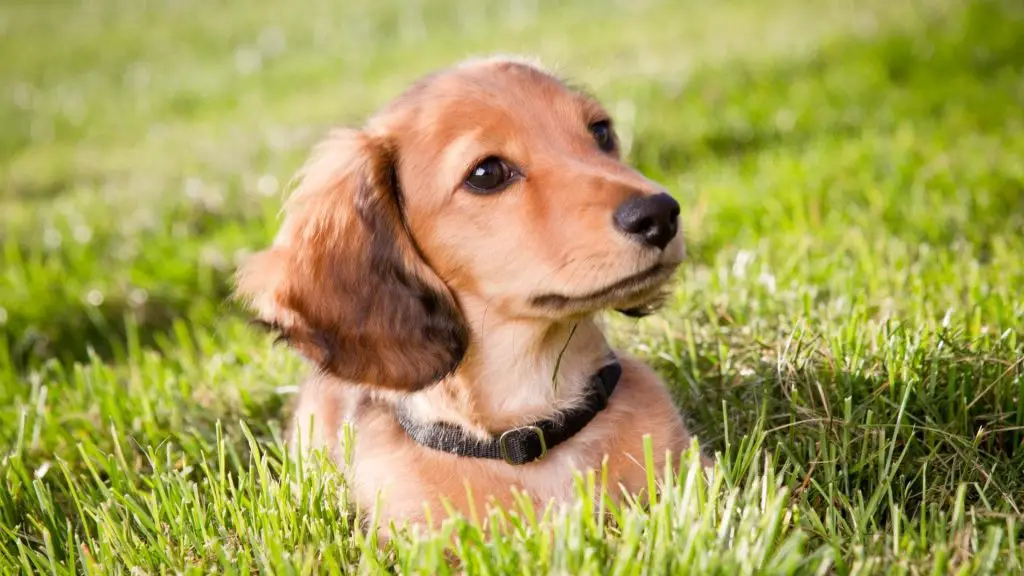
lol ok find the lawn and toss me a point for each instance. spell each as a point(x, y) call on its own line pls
point(847, 335)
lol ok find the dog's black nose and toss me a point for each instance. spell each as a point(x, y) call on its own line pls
point(653, 220)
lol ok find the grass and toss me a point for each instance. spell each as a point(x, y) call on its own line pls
point(848, 334)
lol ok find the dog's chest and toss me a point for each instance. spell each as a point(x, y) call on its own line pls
point(409, 478)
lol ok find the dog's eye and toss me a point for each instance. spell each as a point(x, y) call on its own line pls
point(602, 131)
point(491, 175)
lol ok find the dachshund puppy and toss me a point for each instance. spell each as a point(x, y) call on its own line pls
point(442, 267)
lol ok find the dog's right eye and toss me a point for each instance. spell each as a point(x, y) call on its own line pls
point(489, 176)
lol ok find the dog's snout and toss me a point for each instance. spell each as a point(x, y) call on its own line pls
point(652, 220)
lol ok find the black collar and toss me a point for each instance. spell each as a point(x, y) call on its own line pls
point(519, 445)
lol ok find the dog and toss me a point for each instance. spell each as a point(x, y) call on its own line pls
point(444, 267)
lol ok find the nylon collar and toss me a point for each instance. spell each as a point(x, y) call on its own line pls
point(524, 444)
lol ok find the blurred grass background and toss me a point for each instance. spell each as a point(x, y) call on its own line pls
point(852, 177)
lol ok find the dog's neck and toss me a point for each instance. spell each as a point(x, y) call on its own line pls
point(516, 371)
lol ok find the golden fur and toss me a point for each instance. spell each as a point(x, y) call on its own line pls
point(402, 286)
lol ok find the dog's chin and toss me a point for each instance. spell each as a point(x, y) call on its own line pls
point(641, 311)
point(637, 296)
point(646, 306)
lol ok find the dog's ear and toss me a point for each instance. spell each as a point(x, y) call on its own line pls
point(344, 282)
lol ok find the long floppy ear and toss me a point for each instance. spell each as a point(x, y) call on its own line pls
point(344, 282)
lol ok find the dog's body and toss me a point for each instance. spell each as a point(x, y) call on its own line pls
point(412, 478)
point(448, 261)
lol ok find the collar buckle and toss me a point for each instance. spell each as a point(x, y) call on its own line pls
point(518, 459)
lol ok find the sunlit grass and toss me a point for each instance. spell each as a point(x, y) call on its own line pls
point(848, 334)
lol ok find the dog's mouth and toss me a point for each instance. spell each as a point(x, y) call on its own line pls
point(636, 295)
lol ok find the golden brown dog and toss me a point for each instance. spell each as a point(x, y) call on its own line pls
point(443, 267)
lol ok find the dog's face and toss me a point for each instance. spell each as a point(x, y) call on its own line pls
point(491, 182)
point(515, 192)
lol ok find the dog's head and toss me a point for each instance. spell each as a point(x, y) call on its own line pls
point(490, 183)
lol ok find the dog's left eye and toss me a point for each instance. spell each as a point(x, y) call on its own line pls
point(490, 176)
point(603, 135)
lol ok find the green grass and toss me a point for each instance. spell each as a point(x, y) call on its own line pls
point(848, 334)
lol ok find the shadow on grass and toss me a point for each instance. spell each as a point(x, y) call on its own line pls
point(949, 417)
point(78, 297)
point(964, 66)
point(73, 334)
